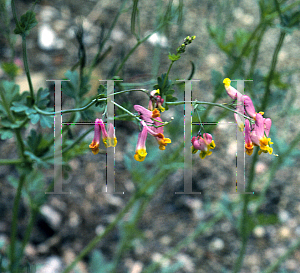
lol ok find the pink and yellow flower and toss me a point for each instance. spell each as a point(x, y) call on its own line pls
point(248, 142)
point(204, 144)
point(109, 139)
point(94, 146)
point(152, 124)
point(260, 133)
point(156, 101)
point(140, 151)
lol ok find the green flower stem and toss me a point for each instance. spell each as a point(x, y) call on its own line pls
point(20, 143)
point(134, 48)
point(283, 10)
point(6, 106)
point(208, 103)
point(85, 107)
point(69, 110)
point(76, 141)
point(13, 238)
point(272, 70)
point(124, 109)
point(25, 62)
point(129, 90)
point(33, 215)
point(96, 58)
point(244, 228)
point(283, 257)
point(10, 161)
point(169, 69)
point(13, 8)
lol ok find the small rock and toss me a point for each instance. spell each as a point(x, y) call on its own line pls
point(47, 39)
point(52, 265)
point(52, 216)
point(283, 216)
point(259, 232)
point(216, 245)
point(285, 232)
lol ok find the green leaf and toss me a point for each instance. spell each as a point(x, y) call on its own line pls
point(98, 264)
point(42, 99)
point(26, 23)
point(174, 57)
point(33, 157)
point(34, 141)
point(34, 118)
point(11, 91)
point(8, 124)
point(6, 134)
point(267, 219)
point(70, 88)
point(18, 107)
point(10, 68)
point(46, 121)
point(85, 86)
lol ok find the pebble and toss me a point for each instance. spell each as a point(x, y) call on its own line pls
point(189, 266)
point(259, 232)
point(47, 39)
point(284, 216)
point(216, 245)
point(52, 265)
point(284, 232)
point(52, 216)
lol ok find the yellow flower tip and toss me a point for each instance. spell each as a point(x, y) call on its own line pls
point(270, 151)
point(105, 142)
point(249, 151)
point(193, 150)
point(202, 155)
point(157, 91)
point(212, 145)
point(162, 109)
point(261, 112)
point(94, 147)
point(155, 113)
point(193, 37)
point(140, 155)
point(112, 142)
point(162, 147)
point(227, 82)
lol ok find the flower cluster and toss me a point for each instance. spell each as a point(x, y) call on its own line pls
point(109, 139)
point(155, 101)
point(153, 125)
point(204, 144)
point(256, 134)
point(187, 40)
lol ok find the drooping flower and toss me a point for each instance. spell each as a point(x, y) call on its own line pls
point(94, 146)
point(140, 151)
point(260, 133)
point(152, 124)
point(204, 144)
point(231, 91)
point(248, 141)
point(109, 139)
point(236, 95)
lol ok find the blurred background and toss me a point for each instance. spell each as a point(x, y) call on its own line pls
point(161, 231)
